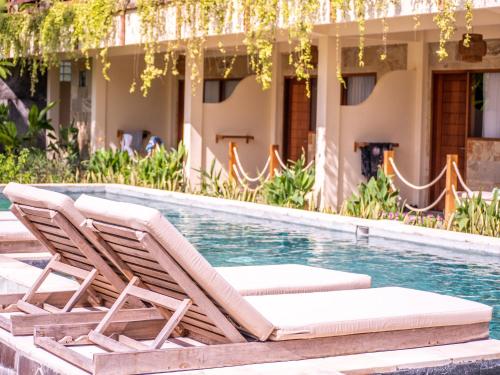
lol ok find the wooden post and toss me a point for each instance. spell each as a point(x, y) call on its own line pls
point(232, 161)
point(451, 180)
point(273, 164)
point(387, 166)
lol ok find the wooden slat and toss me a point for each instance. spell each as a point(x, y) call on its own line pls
point(69, 270)
point(120, 301)
point(61, 351)
point(50, 229)
point(171, 324)
point(121, 241)
point(39, 219)
point(40, 279)
point(29, 308)
point(114, 230)
point(108, 343)
point(214, 356)
point(80, 291)
point(132, 343)
point(58, 239)
point(41, 212)
point(153, 297)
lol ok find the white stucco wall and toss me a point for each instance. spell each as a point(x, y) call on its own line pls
point(245, 112)
point(386, 116)
point(129, 112)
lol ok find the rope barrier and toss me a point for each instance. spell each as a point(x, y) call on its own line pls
point(416, 187)
point(455, 194)
point(466, 188)
point(280, 162)
point(242, 183)
point(259, 176)
point(415, 209)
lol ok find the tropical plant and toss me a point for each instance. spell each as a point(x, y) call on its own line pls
point(38, 124)
point(290, 187)
point(5, 68)
point(375, 199)
point(108, 166)
point(215, 184)
point(163, 169)
point(477, 216)
point(65, 146)
point(33, 166)
point(9, 137)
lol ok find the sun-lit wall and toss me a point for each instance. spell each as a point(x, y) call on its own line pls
point(131, 111)
point(245, 112)
point(386, 116)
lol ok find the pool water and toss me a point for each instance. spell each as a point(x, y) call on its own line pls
point(231, 240)
point(4, 203)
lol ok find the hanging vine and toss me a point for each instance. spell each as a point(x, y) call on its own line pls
point(49, 30)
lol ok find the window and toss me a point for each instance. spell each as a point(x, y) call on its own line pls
point(485, 105)
point(82, 78)
point(218, 90)
point(357, 88)
point(65, 71)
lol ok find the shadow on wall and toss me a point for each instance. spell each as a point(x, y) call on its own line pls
point(245, 112)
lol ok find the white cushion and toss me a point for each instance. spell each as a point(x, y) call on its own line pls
point(290, 278)
point(325, 314)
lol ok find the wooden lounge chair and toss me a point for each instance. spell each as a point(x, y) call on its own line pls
point(55, 222)
point(77, 252)
point(230, 329)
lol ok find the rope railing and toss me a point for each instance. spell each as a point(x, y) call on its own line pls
point(242, 170)
point(449, 192)
point(461, 180)
point(413, 186)
point(285, 167)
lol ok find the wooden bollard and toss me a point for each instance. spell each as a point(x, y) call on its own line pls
point(451, 180)
point(232, 161)
point(387, 166)
point(273, 163)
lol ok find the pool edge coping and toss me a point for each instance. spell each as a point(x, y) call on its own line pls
point(389, 229)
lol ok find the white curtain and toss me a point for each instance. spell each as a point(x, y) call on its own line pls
point(359, 88)
point(491, 111)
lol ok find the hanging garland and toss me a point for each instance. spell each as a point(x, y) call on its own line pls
point(53, 29)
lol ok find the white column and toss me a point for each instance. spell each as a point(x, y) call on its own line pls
point(276, 105)
point(328, 188)
point(53, 93)
point(418, 60)
point(99, 107)
point(193, 121)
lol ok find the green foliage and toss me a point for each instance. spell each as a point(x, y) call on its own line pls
point(45, 29)
point(38, 125)
point(5, 68)
point(109, 166)
point(290, 187)
point(214, 184)
point(66, 145)
point(477, 216)
point(374, 199)
point(163, 169)
point(31, 166)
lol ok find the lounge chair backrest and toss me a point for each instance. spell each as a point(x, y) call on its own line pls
point(54, 221)
point(145, 240)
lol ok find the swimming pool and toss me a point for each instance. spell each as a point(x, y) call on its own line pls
point(230, 240)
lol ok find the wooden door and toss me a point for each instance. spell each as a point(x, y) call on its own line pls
point(449, 125)
point(64, 104)
point(298, 118)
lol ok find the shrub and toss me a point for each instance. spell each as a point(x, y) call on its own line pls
point(163, 169)
point(290, 187)
point(108, 166)
point(475, 215)
point(374, 199)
